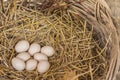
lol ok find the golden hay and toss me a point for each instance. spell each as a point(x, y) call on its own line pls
point(78, 56)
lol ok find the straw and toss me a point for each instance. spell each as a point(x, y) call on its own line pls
point(78, 55)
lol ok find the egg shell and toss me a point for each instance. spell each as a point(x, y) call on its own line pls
point(24, 56)
point(31, 64)
point(40, 57)
point(5, 0)
point(18, 64)
point(47, 50)
point(43, 66)
point(22, 46)
point(34, 48)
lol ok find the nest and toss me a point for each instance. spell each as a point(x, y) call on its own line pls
point(82, 33)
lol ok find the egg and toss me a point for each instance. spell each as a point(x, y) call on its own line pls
point(31, 64)
point(34, 48)
point(18, 64)
point(24, 56)
point(22, 46)
point(47, 50)
point(40, 56)
point(5, 0)
point(43, 66)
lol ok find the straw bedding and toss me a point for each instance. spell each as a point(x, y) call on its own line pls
point(84, 41)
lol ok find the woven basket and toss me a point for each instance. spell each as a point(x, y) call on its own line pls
point(98, 15)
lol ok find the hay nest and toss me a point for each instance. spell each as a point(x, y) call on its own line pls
point(82, 33)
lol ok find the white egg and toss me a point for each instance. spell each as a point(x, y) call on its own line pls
point(47, 50)
point(22, 46)
point(18, 64)
point(24, 56)
point(43, 66)
point(31, 64)
point(34, 48)
point(40, 56)
point(5, 0)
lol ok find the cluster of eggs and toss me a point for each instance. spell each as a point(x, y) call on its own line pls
point(32, 57)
